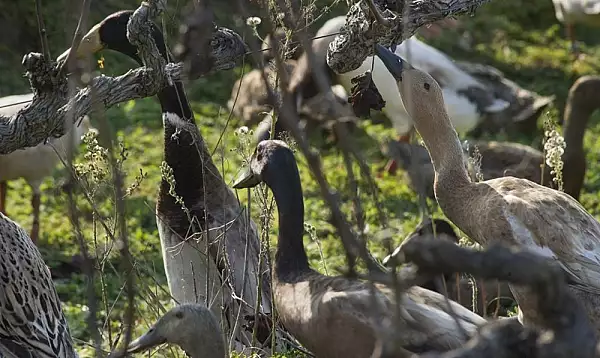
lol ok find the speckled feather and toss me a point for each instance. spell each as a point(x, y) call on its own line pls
point(32, 323)
point(555, 222)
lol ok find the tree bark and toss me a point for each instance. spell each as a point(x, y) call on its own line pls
point(363, 29)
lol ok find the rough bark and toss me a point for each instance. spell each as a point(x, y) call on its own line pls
point(362, 30)
point(50, 107)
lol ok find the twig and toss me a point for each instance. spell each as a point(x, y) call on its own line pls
point(46, 115)
point(79, 32)
point(375, 12)
point(354, 248)
point(42, 29)
point(349, 49)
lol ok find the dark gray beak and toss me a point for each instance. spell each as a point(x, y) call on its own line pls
point(148, 340)
point(394, 63)
point(247, 179)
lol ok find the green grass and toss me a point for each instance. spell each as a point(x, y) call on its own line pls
point(527, 46)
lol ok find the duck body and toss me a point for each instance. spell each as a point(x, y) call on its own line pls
point(535, 218)
point(467, 100)
point(338, 316)
point(33, 323)
point(508, 210)
point(571, 12)
point(354, 311)
point(577, 11)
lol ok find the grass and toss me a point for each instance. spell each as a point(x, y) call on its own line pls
point(528, 46)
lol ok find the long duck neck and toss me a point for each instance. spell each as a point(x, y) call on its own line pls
point(290, 257)
point(184, 151)
point(445, 150)
point(581, 103)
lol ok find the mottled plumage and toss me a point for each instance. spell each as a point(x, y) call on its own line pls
point(32, 323)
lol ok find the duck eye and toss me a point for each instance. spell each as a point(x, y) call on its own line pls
point(427, 86)
point(179, 315)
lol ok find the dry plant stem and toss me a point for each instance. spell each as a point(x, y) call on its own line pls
point(562, 313)
point(73, 212)
point(353, 246)
point(359, 213)
point(349, 49)
point(42, 29)
point(46, 114)
point(79, 32)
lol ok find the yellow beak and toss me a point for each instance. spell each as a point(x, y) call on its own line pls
point(90, 44)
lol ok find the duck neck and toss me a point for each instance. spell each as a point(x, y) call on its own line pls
point(579, 108)
point(194, 349)
point(446, 154)
point(183, 151)
point(290, 257)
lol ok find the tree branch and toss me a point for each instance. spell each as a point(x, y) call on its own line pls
point(562, 314)
point(50, 106)
point(362, 30)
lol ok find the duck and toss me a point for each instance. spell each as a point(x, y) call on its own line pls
point(249, 102)
point(508, 210)
point(33, 323)
point(34, 164)
point(318, 112)
point(571, 12)
point(468, 100)
point(193, 199)
point(457, 287)
point(191, 326)
point(337, 316)
point(499, 159)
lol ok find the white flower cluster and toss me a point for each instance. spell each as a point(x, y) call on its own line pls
point(253, 21)
point(554, 147)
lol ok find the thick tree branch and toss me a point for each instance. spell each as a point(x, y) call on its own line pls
point(50, 107)
point(569, 332)
point(355, 42)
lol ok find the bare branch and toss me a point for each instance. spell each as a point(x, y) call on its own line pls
point(50, 107)
point(363, 29)
point(562, 314)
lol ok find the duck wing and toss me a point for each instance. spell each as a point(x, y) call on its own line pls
point(32, 324)
point(553, 224)
point(523, 104)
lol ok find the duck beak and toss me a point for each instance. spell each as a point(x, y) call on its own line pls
point(247, 179)
point(90, 44)
point(148, 340)
point(394, 63)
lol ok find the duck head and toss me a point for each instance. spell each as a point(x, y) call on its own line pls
point(111, 33)
point(188, 326)
point(268, 155)
point(421, 94)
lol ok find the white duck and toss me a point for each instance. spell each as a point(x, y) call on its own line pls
point(570, 12)
point(467, 100)
point(34, 164)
